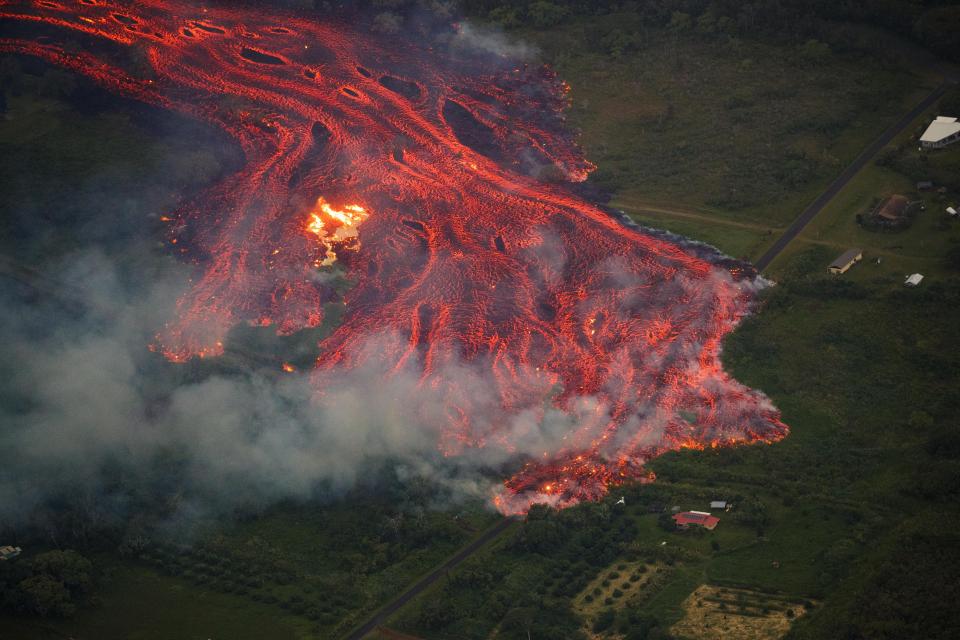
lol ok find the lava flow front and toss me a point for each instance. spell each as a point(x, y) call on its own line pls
point(534, 324)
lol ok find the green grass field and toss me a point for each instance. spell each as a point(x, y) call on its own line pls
point(746, 131)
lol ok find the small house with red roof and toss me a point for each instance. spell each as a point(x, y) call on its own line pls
point(687, 519)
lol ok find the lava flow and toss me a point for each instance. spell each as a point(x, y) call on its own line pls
point(539, 326)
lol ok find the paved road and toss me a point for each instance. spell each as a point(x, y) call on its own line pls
point(859, 163)
point(390, 608)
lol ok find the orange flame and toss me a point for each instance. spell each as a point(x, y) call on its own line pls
point(335, 228)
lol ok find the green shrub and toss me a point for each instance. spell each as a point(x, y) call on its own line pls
point(604, 620)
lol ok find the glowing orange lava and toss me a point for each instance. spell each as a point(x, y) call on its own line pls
point(539, 325)
point(336, 229)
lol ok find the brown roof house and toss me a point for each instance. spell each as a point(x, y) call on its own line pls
point(892, 211)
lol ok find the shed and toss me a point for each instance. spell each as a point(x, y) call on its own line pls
point(686, 519)
point(951, 211)
point(846, 260)
point(718, 504)
point(913, 280)
point(924, 185)
point(942, 131)
point(8, 552)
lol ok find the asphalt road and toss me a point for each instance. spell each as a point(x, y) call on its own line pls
point(390, 608)
point(841, 181)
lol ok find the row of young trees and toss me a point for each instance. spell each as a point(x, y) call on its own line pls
point(933, 24)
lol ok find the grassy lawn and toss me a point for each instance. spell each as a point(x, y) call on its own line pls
point(738, 239)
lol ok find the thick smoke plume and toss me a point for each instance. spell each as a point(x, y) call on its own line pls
point(83, 393)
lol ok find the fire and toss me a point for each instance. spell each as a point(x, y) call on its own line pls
point(512, 300)
point(337, 229)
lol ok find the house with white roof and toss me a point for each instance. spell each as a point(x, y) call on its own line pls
point(942, 131)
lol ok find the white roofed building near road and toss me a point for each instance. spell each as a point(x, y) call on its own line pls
point(941, 132)
point(845, 261)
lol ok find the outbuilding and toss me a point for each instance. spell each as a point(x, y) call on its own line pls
point(892, 210)
point(942, 131)
point(719, 504)
point(846, 260)
point(913, 280)
point(8, 552)
point(687, 519)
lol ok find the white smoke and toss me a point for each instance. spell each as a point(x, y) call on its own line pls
point(479, 38)
point(87, 393)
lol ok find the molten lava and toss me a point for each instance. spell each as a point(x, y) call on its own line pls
point(541, 327)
